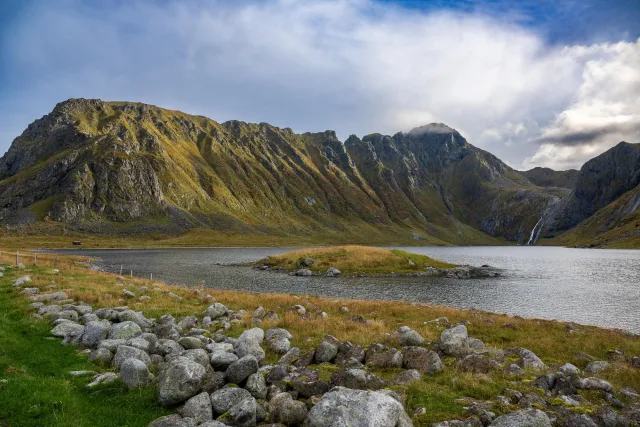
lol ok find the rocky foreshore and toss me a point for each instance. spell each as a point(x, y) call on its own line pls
point(213, 379)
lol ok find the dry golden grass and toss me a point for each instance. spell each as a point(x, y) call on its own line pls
point(356, 259)
point(550, 340)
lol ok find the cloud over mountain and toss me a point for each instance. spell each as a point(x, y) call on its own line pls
point(353, 66)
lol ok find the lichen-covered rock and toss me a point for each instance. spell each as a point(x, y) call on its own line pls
point(198, 408)
point(94, 332)
point(409, 337)
point(125, 352)
point(523, 418)
point(248, 343)
point(285, 410)
point(179, 380)
point(221, 360)
point(240, 370)
point(216, 310)
point(325, 352)
point(134, 373)
point(124, 330)
point(224, 399)
point(257, 386)
point(356, 408)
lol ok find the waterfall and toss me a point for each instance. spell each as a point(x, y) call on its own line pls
point(533, 236)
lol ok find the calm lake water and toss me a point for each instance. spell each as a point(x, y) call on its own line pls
point(597, 287)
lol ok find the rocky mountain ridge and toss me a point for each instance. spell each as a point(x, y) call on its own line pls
point(97, 165)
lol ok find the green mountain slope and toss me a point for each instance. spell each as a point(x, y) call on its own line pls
point(122, 168)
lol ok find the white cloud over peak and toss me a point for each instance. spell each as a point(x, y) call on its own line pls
point(353, 66)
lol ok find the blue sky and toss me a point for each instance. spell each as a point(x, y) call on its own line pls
point(538, 83)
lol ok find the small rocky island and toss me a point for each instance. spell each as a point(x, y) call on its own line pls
point(367, 261)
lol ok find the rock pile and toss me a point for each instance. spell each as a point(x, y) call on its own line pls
point(212, 379)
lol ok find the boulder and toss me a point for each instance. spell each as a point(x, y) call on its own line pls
point(134, 373)
point(356, 408)
point(529, 360)
point(305, 272)
point(240, 370)
point(216, 310)
point(596, 366)
point(593, 383)
point(198, 408)
point(21, 281)
point(173, 420)
point(569, 369)
point(523, 418)
point(180, 380)
point(249, 344)
point(278, 340)
point(125, 352)
point(101, 356)
point(191, 343)
point(243, 414)
point(409, 337)
point(406, 377)
point(325, 352)
point(332, 272)
point(454, 341)
point(221, 360)
point(94, 332)
point(423, 360)
point(356, 379)
point(285, 410)
point(290, 356)
point(55, 296)
point(64, 329)
point(257, 386)
point(124, 330)
point(224, 399)
point(387, 358)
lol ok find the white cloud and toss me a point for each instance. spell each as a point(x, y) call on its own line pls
point(353, 66)
point(605, 110)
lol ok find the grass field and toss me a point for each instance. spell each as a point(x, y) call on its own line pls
point(355, 259)
point(39, 391)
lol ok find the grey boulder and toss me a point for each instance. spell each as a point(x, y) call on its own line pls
point(523, 418)
point(356, 408)
point(134, 373)
point(240, 370)
point(179, 380)
point(198, 408)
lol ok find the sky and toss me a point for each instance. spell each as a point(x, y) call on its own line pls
point(537, 83)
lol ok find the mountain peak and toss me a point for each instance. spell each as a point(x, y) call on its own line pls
point(433, 128)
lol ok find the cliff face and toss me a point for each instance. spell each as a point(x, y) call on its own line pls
point(600, 182)
point(131, 166)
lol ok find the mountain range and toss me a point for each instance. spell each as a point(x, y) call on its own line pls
point(125, 168)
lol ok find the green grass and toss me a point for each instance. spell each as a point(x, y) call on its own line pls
point(39, 391)
point(356, 260)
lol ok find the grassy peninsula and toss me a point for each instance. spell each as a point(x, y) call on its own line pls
point(354, 260)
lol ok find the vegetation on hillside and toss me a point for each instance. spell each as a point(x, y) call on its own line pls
point(354, 260)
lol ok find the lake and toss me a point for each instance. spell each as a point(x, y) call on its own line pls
point(589, 286)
